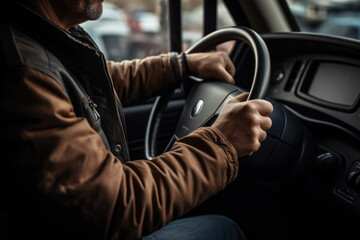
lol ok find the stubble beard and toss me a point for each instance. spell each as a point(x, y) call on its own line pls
point(92, 10)
point(77, 12)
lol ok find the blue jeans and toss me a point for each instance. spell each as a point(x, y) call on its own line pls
point(197, 228)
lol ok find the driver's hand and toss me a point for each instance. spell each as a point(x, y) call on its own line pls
point(214, 65)
point(244, 123)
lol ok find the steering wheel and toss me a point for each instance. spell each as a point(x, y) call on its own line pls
point(205, 99)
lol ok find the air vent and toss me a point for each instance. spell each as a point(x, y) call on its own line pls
point(293, 75)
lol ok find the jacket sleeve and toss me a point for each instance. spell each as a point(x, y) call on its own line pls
point(138, 80)
point(75, 186)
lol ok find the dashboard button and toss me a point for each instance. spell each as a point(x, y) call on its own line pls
point(328, 163)
point(357, 184)
point(277, 76)
point(353, 176)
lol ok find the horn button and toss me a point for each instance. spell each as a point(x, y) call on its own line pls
point(197, 108)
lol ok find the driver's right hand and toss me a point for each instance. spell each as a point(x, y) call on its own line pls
point(244, 123)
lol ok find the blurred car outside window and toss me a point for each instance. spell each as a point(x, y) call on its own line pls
point(110, 32)
point(143, 21)
point(130, 29)
point(139, 28)
point(334, 17)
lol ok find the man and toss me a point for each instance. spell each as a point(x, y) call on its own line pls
point(67, 172)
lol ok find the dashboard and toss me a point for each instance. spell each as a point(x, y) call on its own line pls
point(318, 72)
point(317, 78)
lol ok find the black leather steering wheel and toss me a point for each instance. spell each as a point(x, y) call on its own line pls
point(206, 98)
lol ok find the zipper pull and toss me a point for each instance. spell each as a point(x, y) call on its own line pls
point(93, 108)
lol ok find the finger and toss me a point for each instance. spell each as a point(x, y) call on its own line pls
point(264, 107)
point(224, 75)
point(229, 66)
point(262, 136)
point(266, 123)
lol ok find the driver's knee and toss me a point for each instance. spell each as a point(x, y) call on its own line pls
point(199, 227)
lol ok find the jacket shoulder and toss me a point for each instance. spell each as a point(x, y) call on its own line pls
point(19, 50)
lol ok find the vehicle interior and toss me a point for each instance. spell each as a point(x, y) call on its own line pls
point(304, 182)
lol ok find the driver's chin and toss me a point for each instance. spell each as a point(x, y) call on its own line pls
point(93, 9)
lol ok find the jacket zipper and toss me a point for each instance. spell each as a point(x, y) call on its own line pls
point(93, 107)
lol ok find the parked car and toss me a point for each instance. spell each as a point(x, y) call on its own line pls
point(143, 21)
point(110, 32)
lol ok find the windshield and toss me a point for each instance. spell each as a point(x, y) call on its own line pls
point(335, 17)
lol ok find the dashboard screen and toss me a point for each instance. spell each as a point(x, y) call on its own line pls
point(336, 83)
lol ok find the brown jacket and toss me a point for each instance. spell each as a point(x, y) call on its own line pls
point(74, 169)
point(61, 181)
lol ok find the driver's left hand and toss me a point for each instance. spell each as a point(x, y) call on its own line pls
point(212, 65)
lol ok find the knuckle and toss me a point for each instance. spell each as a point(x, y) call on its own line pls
point(257, 146)
point(263, 137)
point(253, 121)
point(254, 145)
point(255, 131)
point(252, 135)
point(250, 132)
point(249, 107)
point(222, 54)
point(256, 119)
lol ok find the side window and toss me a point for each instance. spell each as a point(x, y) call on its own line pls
point(192, 22)
point(338, 18)
point(130, 29)
point(224, 19)
point(139, 28)
point(193, 25)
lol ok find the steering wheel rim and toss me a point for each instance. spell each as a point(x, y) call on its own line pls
point(258, 88)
